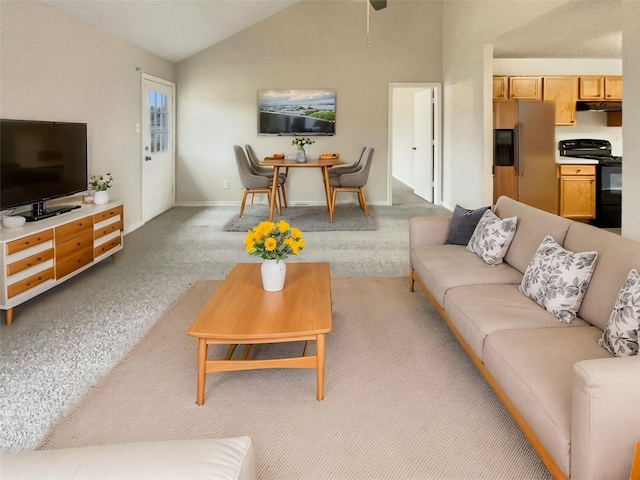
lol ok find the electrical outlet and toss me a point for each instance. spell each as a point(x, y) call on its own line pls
point(226, 184)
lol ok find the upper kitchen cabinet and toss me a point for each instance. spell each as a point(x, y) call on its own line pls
point(500, 88)
point(564, 92)
point(600, 88)
point(525, 88)
point(613, 88)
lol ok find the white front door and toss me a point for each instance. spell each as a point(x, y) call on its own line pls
point(158, 146)
point(423, 144)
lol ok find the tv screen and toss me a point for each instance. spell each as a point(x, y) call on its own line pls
point(40, 161)
point(296, 112)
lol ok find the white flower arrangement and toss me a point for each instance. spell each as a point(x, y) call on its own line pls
point(100, 183)
point(301, 142)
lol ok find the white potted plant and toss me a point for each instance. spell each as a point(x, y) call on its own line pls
point(100, 184)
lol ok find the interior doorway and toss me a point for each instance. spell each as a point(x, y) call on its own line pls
point(415, 151)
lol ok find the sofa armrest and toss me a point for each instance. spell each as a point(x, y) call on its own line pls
point(605, 424)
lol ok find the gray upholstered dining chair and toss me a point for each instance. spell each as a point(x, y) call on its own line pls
point(340, 169)
point(266, 172)
point(251, 182)
point(352, 182)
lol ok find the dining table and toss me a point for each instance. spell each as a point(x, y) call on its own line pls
point(290, 162)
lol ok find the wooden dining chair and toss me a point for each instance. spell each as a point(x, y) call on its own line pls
point(252, 183)
point(352, 182)
point(267, 172)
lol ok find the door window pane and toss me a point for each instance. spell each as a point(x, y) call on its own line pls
point(159, 122)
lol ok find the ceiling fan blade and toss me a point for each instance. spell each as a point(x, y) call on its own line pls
point(378, 4)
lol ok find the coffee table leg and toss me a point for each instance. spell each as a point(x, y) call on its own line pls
point(202, 364)
point(320, 365)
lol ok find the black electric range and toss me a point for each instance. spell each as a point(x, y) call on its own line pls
point(608, 177)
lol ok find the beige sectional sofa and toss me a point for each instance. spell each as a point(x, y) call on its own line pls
point(578, 405)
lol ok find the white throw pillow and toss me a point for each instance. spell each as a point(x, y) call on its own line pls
point(557, 279)
point(492, 237)
point(620, 337)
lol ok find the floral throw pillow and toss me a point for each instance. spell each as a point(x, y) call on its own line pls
point(620, 337)
point(492, 237)
point(557, 279)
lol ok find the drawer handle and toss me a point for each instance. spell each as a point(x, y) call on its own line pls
point(578, 170)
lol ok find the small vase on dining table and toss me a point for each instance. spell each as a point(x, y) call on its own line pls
point(273, 274)
point(301, 155)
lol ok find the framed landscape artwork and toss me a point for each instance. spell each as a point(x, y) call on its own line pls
point(296, 112)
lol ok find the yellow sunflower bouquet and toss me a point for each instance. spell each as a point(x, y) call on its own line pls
point(274, 241)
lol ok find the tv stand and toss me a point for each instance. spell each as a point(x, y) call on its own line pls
point(39, 212)
point(41, 255)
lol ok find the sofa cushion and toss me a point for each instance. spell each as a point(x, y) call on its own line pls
point(620, 338)
point(442, 267)
point(220, 458)
point(535, 371)
point(533, 226)
point(557, 279)
point(616, 256)
point(492, 237)
point(463, 223)
point(479, 310)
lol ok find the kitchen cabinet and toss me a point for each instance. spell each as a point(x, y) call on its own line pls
point(613, 88)
point(500, 88)
point(577, 191)
point(563, 91)
point(525, 88)
point(505, 114)
point(600, 88)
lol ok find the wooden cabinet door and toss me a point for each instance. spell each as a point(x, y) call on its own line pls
point(501, 88)
point(591, 88)
point(505, 182)
point(578, 197)
point(563, 92)
point(613, 88)
point(505, 114)
point(525, 88)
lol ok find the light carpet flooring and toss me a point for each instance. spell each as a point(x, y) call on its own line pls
point(63, 341)
point(402, 400)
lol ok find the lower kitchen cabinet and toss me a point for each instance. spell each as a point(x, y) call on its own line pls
point(577, 184)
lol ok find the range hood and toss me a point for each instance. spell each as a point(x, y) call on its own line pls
point(599, 106)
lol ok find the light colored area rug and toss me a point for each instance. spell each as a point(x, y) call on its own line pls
point(402, 400)
point(347, 217)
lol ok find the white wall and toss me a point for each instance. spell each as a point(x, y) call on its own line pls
point(57, 68)
point(314, 44)
point(631, 121)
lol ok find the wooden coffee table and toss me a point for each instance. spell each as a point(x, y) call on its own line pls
point(241, 312)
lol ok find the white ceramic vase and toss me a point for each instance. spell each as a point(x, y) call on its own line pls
point(301, 155)
point(100, 197)
point(273, 275)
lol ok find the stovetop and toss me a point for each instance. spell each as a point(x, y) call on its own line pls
point(590, 149)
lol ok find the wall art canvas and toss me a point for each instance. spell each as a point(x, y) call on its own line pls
point(296, 112)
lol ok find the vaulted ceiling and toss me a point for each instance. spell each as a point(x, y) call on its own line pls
point(176, 29)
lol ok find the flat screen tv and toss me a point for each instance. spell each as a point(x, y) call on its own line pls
point(40, 161)
point(296, 112)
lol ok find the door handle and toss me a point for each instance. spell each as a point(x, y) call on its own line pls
point(147, 158)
